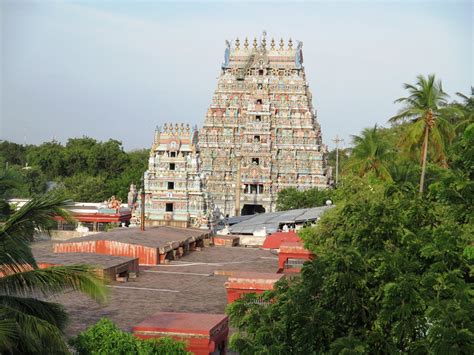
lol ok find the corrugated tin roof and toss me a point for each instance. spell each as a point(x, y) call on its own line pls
point(237, 219)
point(272, 221)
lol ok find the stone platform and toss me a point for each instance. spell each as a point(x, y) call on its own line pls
point(152, 247)
point(113, 268)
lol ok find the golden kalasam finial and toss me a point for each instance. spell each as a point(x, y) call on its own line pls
point(272, 43)
point(246, 43)
point(290, 44)
point(264, 42)
point(237, 43)
point(282, 44)
point(255, 43)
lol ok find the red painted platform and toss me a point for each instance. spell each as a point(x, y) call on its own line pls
point(152, 246)
point(107, 266)
point(203, 333)
point(273, 241)
point(240, 283)
point(291, 251)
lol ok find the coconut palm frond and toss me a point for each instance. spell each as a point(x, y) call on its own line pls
point(37, 214)
point(8, 333)
point(53, 313)
point(54, 280)
point(34, 335)
point(15, 255)
point(427, 108)
point(404, 114)
point(370, 154)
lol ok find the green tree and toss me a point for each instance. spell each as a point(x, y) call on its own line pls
point(13, 153)
point(105, 338)
point(427, 113)
point(85, 188)
point(108, 159)
point(371, 154)
point(27, 324)
point(291, 198)
point(466, 107)
point(137, 162)
point(79, 156)
point(392, 275)
point(34, 181)
point(49, 157)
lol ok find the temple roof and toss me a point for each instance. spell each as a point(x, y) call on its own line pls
point(272, 221)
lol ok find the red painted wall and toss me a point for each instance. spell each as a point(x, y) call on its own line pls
point(145, 255)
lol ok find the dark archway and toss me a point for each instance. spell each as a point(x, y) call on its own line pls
point(252, 209)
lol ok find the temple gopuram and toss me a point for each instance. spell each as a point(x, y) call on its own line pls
point(260, 136)
point(173, 194)
point(260, 133)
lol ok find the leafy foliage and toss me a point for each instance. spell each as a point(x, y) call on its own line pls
point(428, 115)
point(371, 154)
point(291, 198)
point(85, 169)
point(105, 338)
point(393, 268)
point(390, 276)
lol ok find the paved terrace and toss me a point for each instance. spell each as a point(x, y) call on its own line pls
point(185, 285)
point(151, 246)
point(156, 237)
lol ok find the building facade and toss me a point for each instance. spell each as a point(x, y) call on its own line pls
point(260, 133)
point(173, 191)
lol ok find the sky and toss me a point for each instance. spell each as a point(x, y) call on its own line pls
point(117, 69)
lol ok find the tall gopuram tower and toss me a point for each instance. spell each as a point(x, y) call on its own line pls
point(260, 133)
point(173, 191)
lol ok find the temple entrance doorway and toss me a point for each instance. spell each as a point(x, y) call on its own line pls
point(252, 209)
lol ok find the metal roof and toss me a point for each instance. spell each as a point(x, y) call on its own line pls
point(272, 221)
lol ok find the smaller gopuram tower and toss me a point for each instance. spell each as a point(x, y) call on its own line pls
point(173, 194)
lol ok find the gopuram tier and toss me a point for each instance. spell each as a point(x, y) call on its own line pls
point(260, 133)
point(173, 194)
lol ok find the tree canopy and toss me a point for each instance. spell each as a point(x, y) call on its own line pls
point(393, 269)
point(84, 168)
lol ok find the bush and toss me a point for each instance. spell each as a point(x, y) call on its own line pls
point(105, 338)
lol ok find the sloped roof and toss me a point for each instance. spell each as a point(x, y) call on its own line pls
point(272, 221)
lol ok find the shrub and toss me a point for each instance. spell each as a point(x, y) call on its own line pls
point(105, 337)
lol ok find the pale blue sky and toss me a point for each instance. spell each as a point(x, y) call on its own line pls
point(116, 69)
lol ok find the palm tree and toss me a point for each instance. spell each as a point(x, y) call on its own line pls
point(370, 154)
point(28, 324)
point(427, 116)
point(466, 107)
